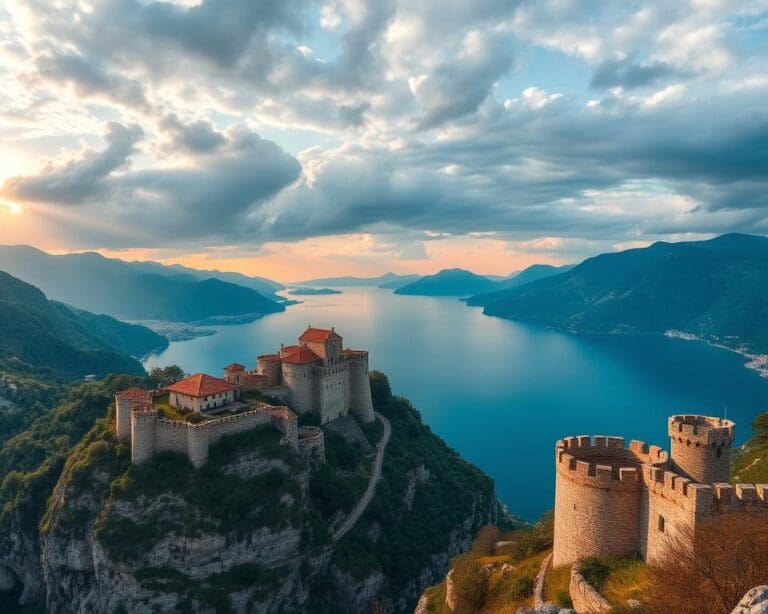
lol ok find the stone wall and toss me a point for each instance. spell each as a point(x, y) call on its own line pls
point(151, 434)
point(300, 379)
point(332, 391)
point(586, 600)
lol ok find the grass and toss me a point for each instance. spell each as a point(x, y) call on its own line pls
point(628, 579)
point(166, 410)
point(508, 591)
point(750, 463)
point(556, 587)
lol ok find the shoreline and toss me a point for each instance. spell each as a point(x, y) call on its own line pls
point(754, 362)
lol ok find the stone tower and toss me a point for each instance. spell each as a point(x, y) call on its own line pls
point(143, 425)
point(360, 402)
point(125, 401)
point(598, 499)
point(701, 447)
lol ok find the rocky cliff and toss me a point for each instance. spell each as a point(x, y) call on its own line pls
point(250, 531)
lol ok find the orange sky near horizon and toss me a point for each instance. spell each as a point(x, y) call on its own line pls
point(357, 255)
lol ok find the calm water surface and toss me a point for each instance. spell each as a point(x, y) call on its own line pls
point(503, 392)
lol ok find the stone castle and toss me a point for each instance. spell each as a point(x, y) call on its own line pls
point(611, 500)
point(316, 377)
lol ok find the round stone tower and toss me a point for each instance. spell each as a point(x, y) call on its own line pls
point(125, 401)
point(360, 402)
point(598, 494)
point(701, 447)
point(270, 367)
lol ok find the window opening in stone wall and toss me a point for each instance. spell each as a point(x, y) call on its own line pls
point(661, 523)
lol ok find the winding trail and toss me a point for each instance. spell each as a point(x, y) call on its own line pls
point(354, 516)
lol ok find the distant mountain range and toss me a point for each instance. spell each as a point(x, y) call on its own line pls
point(46, 336)
point(715, 289)
point(526, 276)
point(388, 280)
point(137, 290)
point(448, 282)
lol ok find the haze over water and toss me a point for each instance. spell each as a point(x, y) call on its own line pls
point(502, 392)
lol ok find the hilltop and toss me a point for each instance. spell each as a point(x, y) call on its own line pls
point(388, 280)
point(448, 282)
point(49, 337)
point(134, 291)
point(249, 530)
point(715, 289)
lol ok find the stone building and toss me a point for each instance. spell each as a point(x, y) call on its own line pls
point(201, 392)
point(316, 375)
point(616, 501)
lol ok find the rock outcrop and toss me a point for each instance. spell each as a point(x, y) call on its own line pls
point(754, 602)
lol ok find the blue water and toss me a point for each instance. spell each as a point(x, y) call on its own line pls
point(502, 392)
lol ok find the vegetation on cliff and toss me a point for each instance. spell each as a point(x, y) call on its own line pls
point(750, 462)
point(426, 495)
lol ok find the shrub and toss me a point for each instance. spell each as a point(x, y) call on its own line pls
point(522, 586)
point(730, 557)
point(595, 571)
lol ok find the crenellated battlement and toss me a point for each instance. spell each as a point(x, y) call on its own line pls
point(705, 499)
point(603, 461)
point(701, 430)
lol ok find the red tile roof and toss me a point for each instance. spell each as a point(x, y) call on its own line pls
point(317, 335)
point(300, 356)
point(133, 394)
point(235, 366)
point(270, 357)
point(289, 349)
point(200, 385)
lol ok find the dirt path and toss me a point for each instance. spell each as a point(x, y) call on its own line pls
point(371, 489)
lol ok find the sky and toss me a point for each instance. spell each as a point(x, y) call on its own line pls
point(297, 138)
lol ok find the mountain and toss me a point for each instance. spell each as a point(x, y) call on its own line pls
point(526, 276)
point(262, 285)
point(388, 280)
point(84, 529)
point(46, 336)
point(132, 291)
point(715, 289)
point(448, 282)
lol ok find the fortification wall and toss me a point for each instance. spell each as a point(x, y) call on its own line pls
point(152, 434)
point(360, 402)
point(123, 409)
point(598, 496)
point(332, 391)
point(584, 596)
point(299, 379)
point(700, 447)
point(677, 508)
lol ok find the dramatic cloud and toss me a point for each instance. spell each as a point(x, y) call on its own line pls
point(564, 123)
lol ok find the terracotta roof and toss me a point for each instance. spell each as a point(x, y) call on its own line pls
point(300, 356)
point(269, 357)
point(200, 385)
point(133, 394)
point(318, 335)
point(235, 366)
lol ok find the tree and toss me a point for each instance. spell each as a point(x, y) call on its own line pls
point(730, 556)
point(164, 376)
point(470, 583)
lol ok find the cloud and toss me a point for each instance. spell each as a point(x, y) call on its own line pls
point(81, 179)
point(629, 74)
point(197, 137)
point(91, 79)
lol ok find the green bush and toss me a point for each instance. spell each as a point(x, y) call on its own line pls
point(522, 586)
point(595, 571)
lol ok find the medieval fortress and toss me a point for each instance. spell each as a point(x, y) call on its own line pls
point(316, 376)
point(616, 501)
